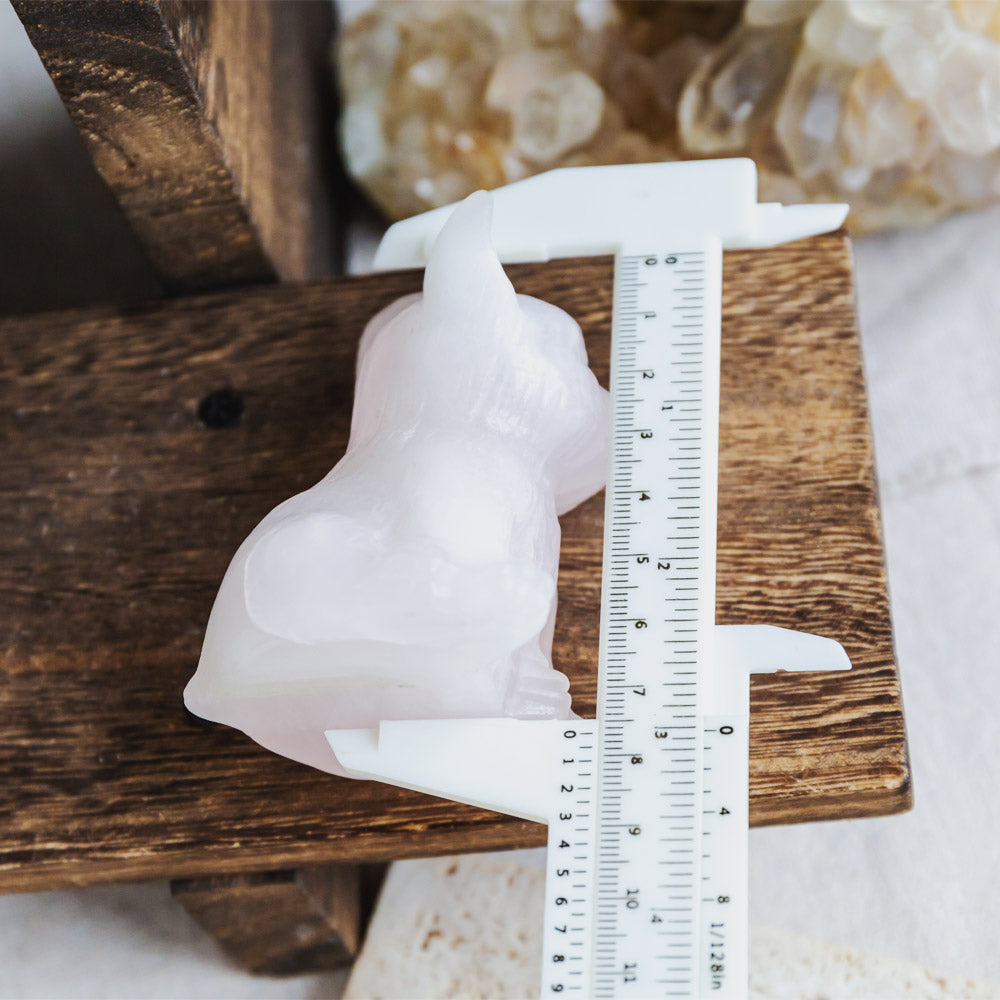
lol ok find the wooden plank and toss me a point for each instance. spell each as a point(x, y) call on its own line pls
point(280, 923)
point(120, 512)
point(209, 122)
point(263, 74)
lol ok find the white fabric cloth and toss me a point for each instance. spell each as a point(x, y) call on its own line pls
point(923, 886)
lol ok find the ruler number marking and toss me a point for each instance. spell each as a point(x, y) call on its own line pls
point(655, 538)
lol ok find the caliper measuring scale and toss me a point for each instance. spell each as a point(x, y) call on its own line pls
point(647, 806)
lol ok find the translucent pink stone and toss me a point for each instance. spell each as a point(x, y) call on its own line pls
point(418, 578)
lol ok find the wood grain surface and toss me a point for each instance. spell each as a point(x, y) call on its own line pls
point(280, 923)
point(121, 510)
point(209, 123)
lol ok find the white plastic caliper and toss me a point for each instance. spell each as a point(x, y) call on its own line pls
point(647, 806)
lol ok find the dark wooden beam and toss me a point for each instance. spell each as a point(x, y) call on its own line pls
point(280, 923)
point(209, 122)
point(120, 509)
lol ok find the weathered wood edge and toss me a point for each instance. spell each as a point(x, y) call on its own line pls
point(145, 84)
point(263, 76)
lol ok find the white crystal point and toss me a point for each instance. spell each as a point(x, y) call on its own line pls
point(418, 579)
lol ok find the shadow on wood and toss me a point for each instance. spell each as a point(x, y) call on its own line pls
point(280, 923)
point(211, 123)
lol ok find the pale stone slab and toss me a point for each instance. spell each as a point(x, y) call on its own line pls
point(469, 928)
point(787, 966)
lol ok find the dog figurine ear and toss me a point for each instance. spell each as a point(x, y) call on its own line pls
point(464, 279)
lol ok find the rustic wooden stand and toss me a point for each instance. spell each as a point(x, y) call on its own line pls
point(121, 511)
point(120, 507)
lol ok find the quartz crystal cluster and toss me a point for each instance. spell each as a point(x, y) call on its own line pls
point(890, 105)
point(418, 579)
